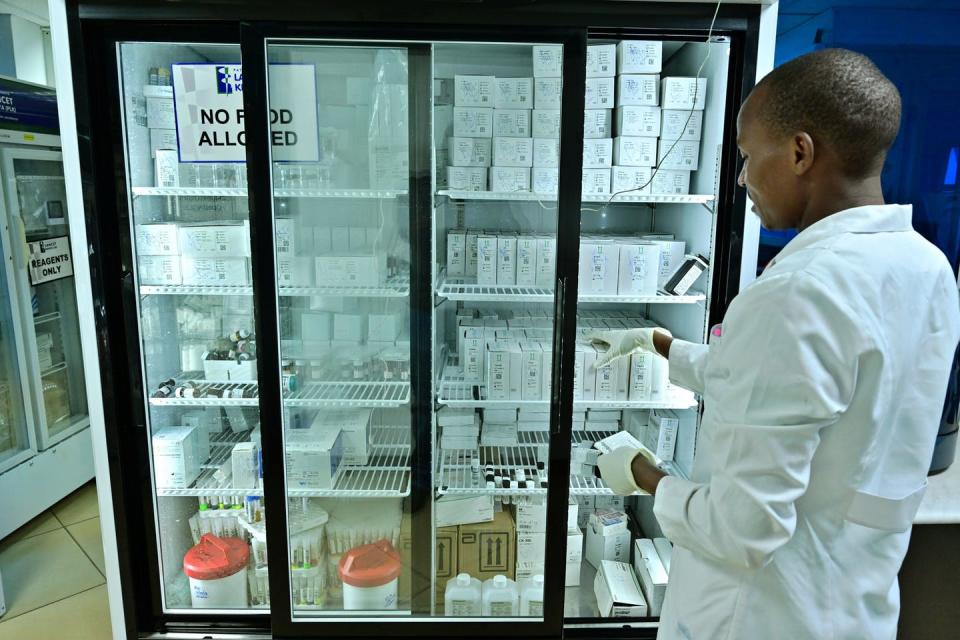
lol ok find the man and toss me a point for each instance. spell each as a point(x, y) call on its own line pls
point(823, 389)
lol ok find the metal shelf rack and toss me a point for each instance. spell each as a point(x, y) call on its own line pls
point(241, 192)
point(465, 289)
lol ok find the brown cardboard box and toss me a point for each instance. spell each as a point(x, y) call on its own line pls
point(448, 560)
point(446, 552)
point(487, 549)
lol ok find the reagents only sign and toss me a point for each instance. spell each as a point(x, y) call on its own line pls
point(50, 260)
point(208, 102)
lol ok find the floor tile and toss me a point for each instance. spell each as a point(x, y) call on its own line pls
point(84, 616)
point(43, 523)
point(44, 569)
point(78, 506)
point(87, 535)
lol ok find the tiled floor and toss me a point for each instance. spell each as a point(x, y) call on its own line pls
point(52, 570)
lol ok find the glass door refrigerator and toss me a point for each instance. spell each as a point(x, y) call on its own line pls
point(347, 268)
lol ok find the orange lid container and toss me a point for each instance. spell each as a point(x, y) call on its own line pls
point(370, 565)
point(214, 557)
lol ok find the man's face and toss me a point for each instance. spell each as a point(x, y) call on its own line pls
point(768, 175)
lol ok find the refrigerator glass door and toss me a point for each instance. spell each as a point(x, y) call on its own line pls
point(189, 232)
point(45, 286)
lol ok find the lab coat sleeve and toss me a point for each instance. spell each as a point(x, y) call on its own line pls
point(785, 370)
point(687, 363)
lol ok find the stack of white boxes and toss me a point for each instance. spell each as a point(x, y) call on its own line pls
point(683, 100)
point(499, 428)
point(194, 254)
point(545, 125)
point(162, 126)
point(512, 139)
point(460, 428)
point(531, 520)
point(628, 265)
point(502, 258)
point(598, 119)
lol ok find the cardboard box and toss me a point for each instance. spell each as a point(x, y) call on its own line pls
point(498, 372)
point(159, 270)
point(638, 90)
point(527, 259)
point(531, 547)
point(634, 152)
point(618, 593)
point(447, 554)
point(585, 509)
point(607, 538)
point(513, 93)
point(295, 271)
point(589, 384)
point(230, 370)
point(651, 573)
point(601, 60)
point(473, 122)
point(597, 153)
point(470, 268)
point(486, 259)
point(313, 458)
point(547, 93)
point(668, 182)
point(597, 123)
point(489, 548)
point(162, 139)
point(157, 239)
point(609, 503)
point(215, 271)
point(516, 370)
point(661, 433)
point(641, 122)
point(469, 152)
point(215, 241)
point(546, 153)
point(531, 518)
point(573, 512)
point(512, 152)
point(631, 179)
point(511, 123)
point(546, 180)
point(639, 56)
point(509, 179)
point(599, 267)
point(574, 558)
point(599, 93)
point(546, 261)
point(243, 460)
point(641, 372)
point(160, 113)
point(166, 168)
point(639, 269)
point(354, 425)
point(678, 93)
point(176, 463)
point(473, 91)
point(545, 123)
point(352, 271)
point(456, 253)
point(350, 328)
point(451, 417)
point(672, 254)
point(595, 182)
point(451, 511)
point(507, 259)
point(532, 372)
point(547, 60)
point(681, 124)
point(679, 155)
point(467, 178)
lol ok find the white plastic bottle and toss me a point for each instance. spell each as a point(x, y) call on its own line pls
point(463, 596)
point(531, 596)
point(500, 597)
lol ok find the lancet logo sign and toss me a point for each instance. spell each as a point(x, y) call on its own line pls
point(229, 79)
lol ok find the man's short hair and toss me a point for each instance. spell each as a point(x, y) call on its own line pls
point(841, 99)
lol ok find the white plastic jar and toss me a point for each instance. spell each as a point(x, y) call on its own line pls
point(217, 569)
point(369, 574)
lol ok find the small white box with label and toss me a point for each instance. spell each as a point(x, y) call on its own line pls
point(599, 93)
point(546, 152)
point(162, 139)
point(498, 372)
point(473, 91)
point(641, 376)
point(639, 56)
point(513, 152)
point(486, 259)
point(212, 241)
point(514, 123)
point(351, 271)
point(651, 573)
point(546, 261)
point(456, 253)
point(608, 537)
point(159, 270)
point(617, 591)
point(313, 457)
point(467, 178)
point(639, 269)
point(599, 263)
point(469, 152)
point(601, 60)
point(679, 155)
point(546, 123)
point(660, 435)
point(509, 179)
point(595, 182)
point(547, 93)
point(597, 153)
point(470, 268)
point(672, 183)
point(224, 272)
point(545, 180)
point(634, 152)
point(160, 114)
point(157, 239)
point(643, 122)
point(176, 464)
point(166, 168)
point(631, 179)
point(547, 60)
point(598, 123)
point(678, 93)
point(681, 124)
point(513, 93)
point(473, 122)
point(507, 260)
point(639, 91)
point(295, 271)
point(527, 260)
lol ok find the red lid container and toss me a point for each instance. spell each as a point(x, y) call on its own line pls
point(370, 565)
point(214, 557)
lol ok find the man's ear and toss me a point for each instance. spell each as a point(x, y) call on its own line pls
point(803, 153)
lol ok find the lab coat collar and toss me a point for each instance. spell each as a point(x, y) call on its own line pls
point(869, 219)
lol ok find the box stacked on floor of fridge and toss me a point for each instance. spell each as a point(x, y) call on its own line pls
point(194, 254)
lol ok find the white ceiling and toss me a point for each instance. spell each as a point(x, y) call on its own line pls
point(32, 10)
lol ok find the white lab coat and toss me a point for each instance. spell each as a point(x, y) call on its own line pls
point(822, 399)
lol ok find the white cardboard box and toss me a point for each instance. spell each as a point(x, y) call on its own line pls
point(511, 123)
point(661, 433)
point(574, 557)
point(507, 259)
point(681, 123)
point(617, 591)
point(159, 270)
point(599, 264)
point(639, 269)
point(599, 93)
point(467, 178)
point(532, 371)
point(284, 238)
point(473, 122)
point(516, 371)
point(651, 572)
point(469, 152)
point(678, 93)
point(175, 460)
point(597, 153)
point(498, 372)
point(452, 417)
point(643, 122)
point(669, 182)
point(639, 56)
point(157, 239)
point(354, 426)
point(547, 93)
point(160, 114)
point(486, 259)
point(530, 548)
point(531, 517)
point(215, 271)
point(641, 372)
point(162, 139)
point(547, 60)
point(512, 152)
point(243, 461)
point(513, 93)
point(595, 181)
point(509, 179)
point(451, 511)
point(672, 254)
point(471, 266)
point(607, 538)
point(527, 258)
point(545, 180)
point(597, 123)
point(601, 60)
point(295, 271)
point(473, 91)
point(638, 90)
point(546, 153)
point(313, 457)
point(631, 179)
point(634, 152)
point(545, 123)
point(589, 374)
point(351, 271)
point(215, 240)
point(456, 253)
point(679, 155)
point(546, 261)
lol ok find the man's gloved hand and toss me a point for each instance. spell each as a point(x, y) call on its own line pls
point(623, 343)
point(616, 469)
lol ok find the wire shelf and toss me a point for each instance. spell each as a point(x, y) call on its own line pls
point(527, 196)
point(394, 288)
point(241, 192)
point(194, 290)
point(466, 289)
point(47, 317)
point(350, 394)
point(240, 394)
